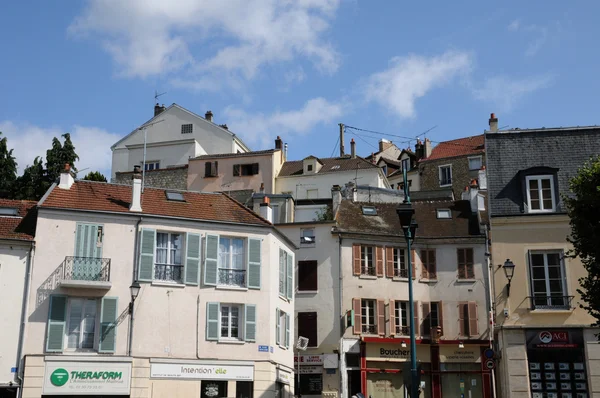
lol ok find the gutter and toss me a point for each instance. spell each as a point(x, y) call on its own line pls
point(20, 370)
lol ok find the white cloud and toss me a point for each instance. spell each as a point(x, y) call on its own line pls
point(261, 129)
point(410, 78)
point(505, 92)
point(200, 38)
point(539, 33)
point(514, 25)
point(92, 144)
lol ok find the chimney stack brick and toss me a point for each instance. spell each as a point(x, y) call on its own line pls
point(493, 123)
point(209, 116)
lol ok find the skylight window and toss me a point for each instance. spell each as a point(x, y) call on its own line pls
point(8, 211)
point(444, 213)
point(337, 166)
point(175, 196)
point(369, 210)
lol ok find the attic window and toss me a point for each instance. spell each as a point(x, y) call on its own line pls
point(369, 210)
point(444, 213)
point(337, 166)
point(187, 128)
point(175, 196)
point(8, 211)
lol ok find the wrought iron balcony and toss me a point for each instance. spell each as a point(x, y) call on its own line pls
point(168, 273)
point(86, 272)
point(232, 277)
point(369, 329)
point(367, 271)
point(550, 302)
point(400, 273)
point(402, 330)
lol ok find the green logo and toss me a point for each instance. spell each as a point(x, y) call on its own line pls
point(59, 377)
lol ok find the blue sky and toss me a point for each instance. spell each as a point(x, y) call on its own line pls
point(293, 68)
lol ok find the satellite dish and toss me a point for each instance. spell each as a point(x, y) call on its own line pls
point(302, 343)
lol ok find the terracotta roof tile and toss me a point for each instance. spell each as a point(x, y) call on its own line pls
point(330, 165)
point(20, 226)
point(460, 147)
point(97, 196)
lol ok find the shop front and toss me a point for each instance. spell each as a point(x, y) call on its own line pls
point(557, 364)
point(309, 375)
point(461, 373)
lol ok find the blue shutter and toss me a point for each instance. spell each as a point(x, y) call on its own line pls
point(254, 259)
point(108, 324)
point(287, 330)
point(192, 259)
point(146, 261)
point(212, 260)
point(250, 320)
point(290, 276)
point(281, 272)
point(277, 327)
point(57, 315)
point(212, 321)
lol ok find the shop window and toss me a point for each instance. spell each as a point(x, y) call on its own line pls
point(168, 264)
point(548, 288)
point(465, 263)
point(308, 276)
point(540, 193)
point(307, 327)
point(244, 389)
point(368, 316)
point(309, 384)
point(461, 378)
point(213, 388)
point(429, 268)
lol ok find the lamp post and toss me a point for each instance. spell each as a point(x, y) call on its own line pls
point(409, 227)
point(134, 289)
point(509, 272)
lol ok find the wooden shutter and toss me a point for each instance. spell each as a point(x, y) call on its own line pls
point(356, 260)
point(146, 261)
point(462, 274)
point(381, 317)
point(379, 260)
point(463, 317)
point(212, 321)
point(416, 317)
point(290, 276)
point(207, 169)
point(308, 275)
point(214, 169)
point(282, 265)
point(86, 241)
point(250, 322)
point(389, 262)
point(211, 261)
point(108, 324)
point(470, 271)
point(57, 316)
point(431, 263)
point(192, 259)
point(356, 306)
point(392, 311)
point(413, 263)
point(424, 265)
point(236, 170)
point(441, 315)
point(254, 168)
point(307, 327)
point(473, 319)
point(254, 263)
point(426, 320)
point(287, 330)
point(277, 327)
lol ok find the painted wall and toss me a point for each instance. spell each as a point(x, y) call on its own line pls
point(13, 267)
point(168, 154)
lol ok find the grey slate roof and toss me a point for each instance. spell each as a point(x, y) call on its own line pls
point(330, 165)
point(511, 151)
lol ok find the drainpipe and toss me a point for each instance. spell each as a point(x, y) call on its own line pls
point(135, 277)
point(198, 328)
point(343, 374)
point(20, 371)
point(491, 304)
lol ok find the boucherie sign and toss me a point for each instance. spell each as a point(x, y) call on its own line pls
point(551, 338)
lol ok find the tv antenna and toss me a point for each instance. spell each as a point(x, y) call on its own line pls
point(156, 95)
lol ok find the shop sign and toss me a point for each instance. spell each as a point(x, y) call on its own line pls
point(201, 372)
point(87, 378)
point(394, 352)
point(552, 338)
point(309, 359)
point(306, 370)
point(451, 353)
point(284, 377)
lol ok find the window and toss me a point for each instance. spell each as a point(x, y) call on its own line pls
point(312, 193)
point(468, 318)
point(175, 196)
point(249, 169)
point(211, 169)
point(548, 286)
point(475, 163)
point(282, 334)
point(187, 128)
point(445, 176)
point(432, 317)
point(81, 327)
point(286, 270)
point(429, 268)
point(307, 327)
point(243, 389)
point(540, 194)
point(368, 316)
point(230, 321)
point(444, 213)
point(406, 164)
point(307, 236)
point(465, 264)
point(401, 313)
point(168, 265)
point(213, 388)
point(154, 165)
point(307, 276)
point(369, 210)
point(367, 260)
point(232, 267)
point(309, 167)
point(400, 268)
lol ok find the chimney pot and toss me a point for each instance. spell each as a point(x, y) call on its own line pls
point(352, 149)
point(493, 123)
point(158, 109)
point(265, 209)
point(136, 190)
point(208, 116)
point(66, 178)
point(278, 143)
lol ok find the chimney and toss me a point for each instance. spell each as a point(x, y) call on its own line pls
point(384, 144)
point(419, 150)
point(471, 193)
point(351, 192)
point(208, 116)
point(285, 148)
point(266, 211)
point(342, 140)
point(225, 126)
point(336, 196)
point(352, 149)
point(278, 143)
point(427, 148)
point(66, 178)
point(158, 109)
point(262, 187)
point(136, 194)
point(493, 123)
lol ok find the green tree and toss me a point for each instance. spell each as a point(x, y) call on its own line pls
point(33, 184)
point(58, 156)
point(95, 176)
point(584, 211)
point(8, 168)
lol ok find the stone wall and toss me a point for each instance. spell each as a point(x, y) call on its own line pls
point(173, 178)
point(461, 175)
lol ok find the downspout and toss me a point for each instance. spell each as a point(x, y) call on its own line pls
point(198, 328)
point(491, 303)
point(135, 277)
point(343, 372)
point(20, 371)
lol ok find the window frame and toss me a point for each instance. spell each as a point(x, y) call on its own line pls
point(539, 178)
point(182, 253)
point(466, 263)
point(282, 330)
point(305, 263)
point(426, 263)
point(364, 260)
point(440, 173)
point(240, 321)
point(547, 279)
point(398, 261)
point(154, 163)
point(399, 315)
point(438, 213)
point(303, 235)
point(81, 332)
point(314, 331)
point(480, 158)
point(221, 267)
point(365, 313)
point(185, 126)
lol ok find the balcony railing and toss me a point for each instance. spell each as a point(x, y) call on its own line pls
point(403, 330)
point(367, 271)
point(369, 329)
point(168, 273)
point(86, 269)
point(232, 277)
point(550, 302)
point(400, 273)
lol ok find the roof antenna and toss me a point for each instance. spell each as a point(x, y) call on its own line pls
point(156, 95)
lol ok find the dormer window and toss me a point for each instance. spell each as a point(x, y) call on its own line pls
point(540, 193)
point(309, 167)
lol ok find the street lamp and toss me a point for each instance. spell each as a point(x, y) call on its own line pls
point(409, 226)
point(509, 272)
point(134, 289)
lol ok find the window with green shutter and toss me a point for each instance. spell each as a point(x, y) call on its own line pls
point(277, 326)
point(212, 321)
point(88, 246)
point(250, 322)
point(211, 261)
point(290, 276)
point(192, 259)
point(254, 263)
point(57, 315)
point(287, 331)
point(108, 324)
point(282, 272)
point(146, 260)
